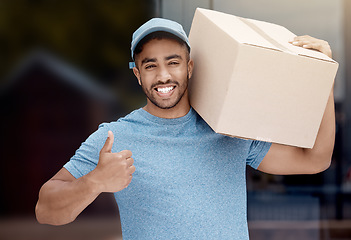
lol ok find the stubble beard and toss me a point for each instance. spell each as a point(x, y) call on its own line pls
point(152, 99)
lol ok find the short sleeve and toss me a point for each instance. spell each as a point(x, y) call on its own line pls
point(86, 157)
point(257, 152)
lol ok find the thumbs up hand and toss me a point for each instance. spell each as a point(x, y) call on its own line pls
point(114, 171)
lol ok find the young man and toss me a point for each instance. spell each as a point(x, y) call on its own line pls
point(188, 182)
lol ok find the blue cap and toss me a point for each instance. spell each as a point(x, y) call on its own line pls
point(154, 25)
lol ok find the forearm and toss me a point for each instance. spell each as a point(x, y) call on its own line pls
point(323, 148)
point(64, 197)
point(60, 202)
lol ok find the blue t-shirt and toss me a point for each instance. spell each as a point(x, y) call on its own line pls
point(189, 181)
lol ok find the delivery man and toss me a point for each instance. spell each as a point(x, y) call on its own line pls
point(183, 181)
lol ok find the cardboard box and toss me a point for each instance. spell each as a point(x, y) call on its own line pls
point(249, 82)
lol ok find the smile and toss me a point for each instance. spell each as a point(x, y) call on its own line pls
point(164, 89)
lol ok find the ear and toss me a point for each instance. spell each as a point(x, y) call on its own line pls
point(137, 74)
point(190, 68)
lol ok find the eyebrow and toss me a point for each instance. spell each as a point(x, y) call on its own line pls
point(147, 60)
point(173, 56)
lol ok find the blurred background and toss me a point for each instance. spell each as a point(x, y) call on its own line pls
point(64, 69)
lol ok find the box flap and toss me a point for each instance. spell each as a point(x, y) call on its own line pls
point(260, 34)
point(280, 37)
point(236, 28)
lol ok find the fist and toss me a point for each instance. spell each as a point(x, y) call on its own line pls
point(114, 171)
point(312, 43)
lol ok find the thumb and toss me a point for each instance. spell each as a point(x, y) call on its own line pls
point(109, 142)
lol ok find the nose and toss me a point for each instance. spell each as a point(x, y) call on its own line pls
point(163, 74)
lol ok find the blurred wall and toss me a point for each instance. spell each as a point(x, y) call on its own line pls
point(50, 104)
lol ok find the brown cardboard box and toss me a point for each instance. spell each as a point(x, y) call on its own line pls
point(249, 82)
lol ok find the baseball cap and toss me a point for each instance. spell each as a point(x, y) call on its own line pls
point(154, 25)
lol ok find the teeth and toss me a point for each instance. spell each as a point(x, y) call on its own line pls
point(165, 89)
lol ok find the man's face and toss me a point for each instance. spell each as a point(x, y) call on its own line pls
point(163, 72)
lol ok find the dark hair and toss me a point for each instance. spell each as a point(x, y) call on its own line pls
point(158, 35)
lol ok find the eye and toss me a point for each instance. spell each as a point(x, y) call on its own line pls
point(150, 66)
point(173, 63)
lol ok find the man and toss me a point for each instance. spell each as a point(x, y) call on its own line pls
point(188, 181)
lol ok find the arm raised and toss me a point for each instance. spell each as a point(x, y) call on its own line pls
point(282, 159)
